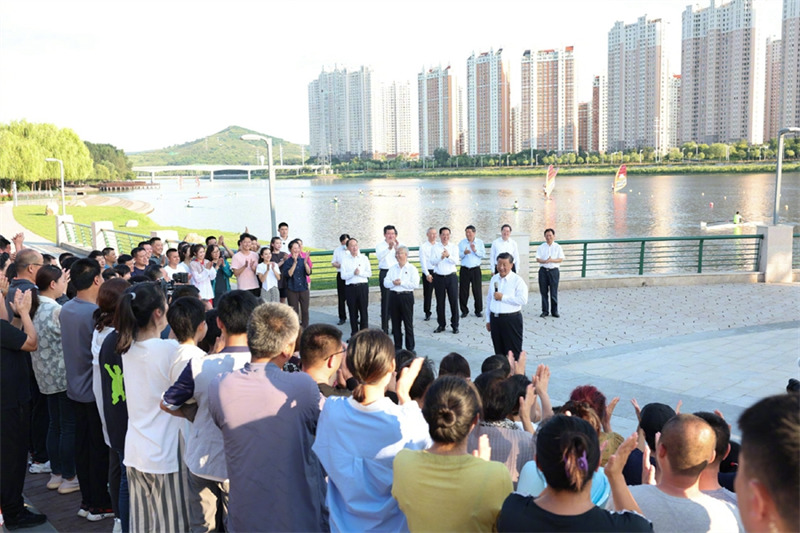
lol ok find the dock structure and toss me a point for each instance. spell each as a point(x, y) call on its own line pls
point(114, 186)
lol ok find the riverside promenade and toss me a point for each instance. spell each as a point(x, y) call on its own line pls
point(710, 346)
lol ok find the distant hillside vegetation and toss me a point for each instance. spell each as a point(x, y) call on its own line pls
point(222, 148)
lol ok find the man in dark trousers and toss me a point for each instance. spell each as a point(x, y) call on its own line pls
point(507, 294)
point(549, 255)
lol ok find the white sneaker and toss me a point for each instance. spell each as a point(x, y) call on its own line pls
point(96, 515)
point(68, 486)
point(55, 481)
point(83, 512)
point(117, 526)
point(40, 468)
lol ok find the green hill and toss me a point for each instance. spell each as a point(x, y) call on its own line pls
point(222, 148)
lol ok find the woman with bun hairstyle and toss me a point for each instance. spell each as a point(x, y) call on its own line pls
point(445, 487)
point(157, 478)
point(568, 454)
point(358, 437)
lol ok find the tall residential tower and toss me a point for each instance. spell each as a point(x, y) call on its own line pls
point(488, 104)
point(438, 111)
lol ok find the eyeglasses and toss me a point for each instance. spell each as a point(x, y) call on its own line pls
point(35, 264)
point(343, 350)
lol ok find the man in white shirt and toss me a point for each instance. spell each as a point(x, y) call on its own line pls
point(507, 294)
point(336, 262)
point(401, 281)
point(356, 272)
point(427, 271)
point(385, 251)
point(504, 243)
point(549, 255)
point(283, 231)
point(444, 258)
point(470, 251)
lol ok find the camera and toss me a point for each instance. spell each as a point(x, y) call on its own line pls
point(180, 277)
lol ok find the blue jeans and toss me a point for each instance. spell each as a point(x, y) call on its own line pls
point(61, 434)
point(124, 495)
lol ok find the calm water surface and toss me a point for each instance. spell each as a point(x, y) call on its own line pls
point(582, 207)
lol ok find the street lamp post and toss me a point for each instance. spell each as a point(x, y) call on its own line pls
point(63, 198)
point(254, 137)
point(779, 170)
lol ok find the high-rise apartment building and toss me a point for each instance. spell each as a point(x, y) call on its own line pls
point(599, 139)
point(549, 107)
point(637, 80)
point(346, 114)
point(773, 86)
point(722, 74)
point(438, 111)
point(584, 126)
point(397, 118)
point(674, 131)
point(790, 60)
point(516, 130)
point(488, 104)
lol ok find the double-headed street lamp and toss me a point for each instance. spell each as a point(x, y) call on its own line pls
point(254, 137)
point(63, 201)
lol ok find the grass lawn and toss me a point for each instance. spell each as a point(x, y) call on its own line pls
point(34, 219)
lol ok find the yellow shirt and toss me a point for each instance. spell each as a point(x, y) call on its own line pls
point(449, 492)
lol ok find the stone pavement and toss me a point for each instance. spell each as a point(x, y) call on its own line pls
point(711, 346)
point(10, 227)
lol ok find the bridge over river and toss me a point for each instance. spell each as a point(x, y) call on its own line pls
point(211, 169)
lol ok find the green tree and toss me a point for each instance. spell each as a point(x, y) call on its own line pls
point(441, 156)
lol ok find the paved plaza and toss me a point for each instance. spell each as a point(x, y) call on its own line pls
point(711, 346)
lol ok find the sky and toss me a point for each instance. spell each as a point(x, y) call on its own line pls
point(147, 74)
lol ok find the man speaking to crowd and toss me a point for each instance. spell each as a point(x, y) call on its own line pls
point(507, 294)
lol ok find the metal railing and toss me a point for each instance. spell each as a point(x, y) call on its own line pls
point(79, 234)
point(657, 255)
point(607, 257)
point(132, 239)
point(796, 251)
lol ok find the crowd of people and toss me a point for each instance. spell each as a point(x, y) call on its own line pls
point(178, 404)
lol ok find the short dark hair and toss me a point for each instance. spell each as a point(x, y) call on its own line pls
point(351, 239)
point(721, 430)
point(137, 251)
point(507, 256)
point(110, 273)
point(388, 227)
point(143, 243)
point(4, 243)
point(652, 419)
point(48, 259)
point(154, 239)
point(444, 228)
point(551, 230)
point(63, 256)
point(234, 310)
point(83, 272)
point(185, 291)
point(107, 250)
point(454, 364)
point(292, 243)
point(171, 250)
point(46, 275)
point(185, 315)
point(283, 224)
point(506, 226)
point(315, 339)
point(344, 237)
point(496, 362)
point(152, 271)
point(519, 388)
point(450, 407)
point(496, 395)
point(770, 446)
point(124, 258)
point(470, 227)
point(122, 269)
point(210, 238)
point(244, 236)
point(94, 254)
point(426, 376)
point(212, 334)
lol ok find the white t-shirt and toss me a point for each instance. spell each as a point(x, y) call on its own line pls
point(97, 342)
point(272, 279)
point(151, 444)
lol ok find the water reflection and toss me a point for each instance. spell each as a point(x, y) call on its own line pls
point(582, 207)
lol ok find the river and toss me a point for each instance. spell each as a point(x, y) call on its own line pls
point(581, 207)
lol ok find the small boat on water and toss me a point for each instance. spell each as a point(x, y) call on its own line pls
point(550, 181)
point(198, 197)
point(621, 179)
point(728, 224)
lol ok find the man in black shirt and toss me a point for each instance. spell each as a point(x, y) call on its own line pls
point(15, 347)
